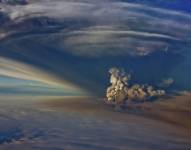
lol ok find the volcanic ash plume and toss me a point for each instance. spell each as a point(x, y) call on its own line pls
point(120, 91)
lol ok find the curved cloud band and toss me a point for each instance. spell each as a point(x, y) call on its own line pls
point(102, 23)
point(78, 40)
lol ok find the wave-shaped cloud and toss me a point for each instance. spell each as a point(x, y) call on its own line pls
point(113, 41)
point(125, 25)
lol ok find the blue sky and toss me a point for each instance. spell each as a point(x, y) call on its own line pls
point(68, 46)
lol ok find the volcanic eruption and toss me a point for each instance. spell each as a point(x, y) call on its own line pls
point(121, 91)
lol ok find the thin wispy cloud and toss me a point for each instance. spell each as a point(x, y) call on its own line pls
point(128, 22)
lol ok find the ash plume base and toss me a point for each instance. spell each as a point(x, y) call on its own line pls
point(121, 92)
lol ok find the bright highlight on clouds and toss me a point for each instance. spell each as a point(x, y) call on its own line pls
point(31, 76)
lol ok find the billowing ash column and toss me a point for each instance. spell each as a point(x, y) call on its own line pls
point(119, 85)
point(120, 91)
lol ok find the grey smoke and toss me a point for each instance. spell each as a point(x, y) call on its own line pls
point(120, 90)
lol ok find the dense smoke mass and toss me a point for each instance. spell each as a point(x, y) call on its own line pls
point(120, 91)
